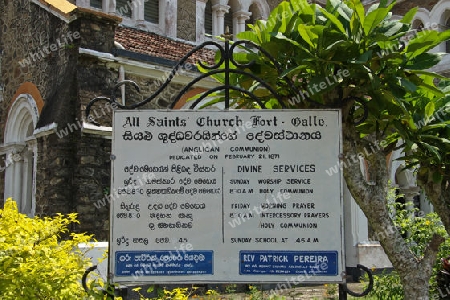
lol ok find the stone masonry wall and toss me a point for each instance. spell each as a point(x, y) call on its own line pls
point(72, 169)
point(92, 181)
point(149, 86)
point(91, 177)
point(54, 189)
point(26, 30)
point(97, 29)
point(92, 174)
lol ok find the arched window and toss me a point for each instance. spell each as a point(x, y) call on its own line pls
point(438, 19)
point(418, 25)
point(416, 28)
point(21, 152)
point(253, 16)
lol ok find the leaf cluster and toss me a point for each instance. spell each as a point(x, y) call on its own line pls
point(35, 261)
point(361, 60)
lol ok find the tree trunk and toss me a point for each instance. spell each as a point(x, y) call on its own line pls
point(416, 291)
point(372, 199)
point(416, 282)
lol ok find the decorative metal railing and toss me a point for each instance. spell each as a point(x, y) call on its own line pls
point(227, 65)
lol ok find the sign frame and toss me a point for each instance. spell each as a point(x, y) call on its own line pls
point(191, 278)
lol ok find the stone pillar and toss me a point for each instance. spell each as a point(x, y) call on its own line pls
point(121, 78)
point(97, 32)
point(406, 180)
point(239, 19)
point(9, 175)
point(12, 171)
point(18, 183)
point(200, 24)
point(171, 18)
point(109, 6)
point(219, 11)
point(409, 194)
point(32, 146)
point(27, 177)
point(138, 12)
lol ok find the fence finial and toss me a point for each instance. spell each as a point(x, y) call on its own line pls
point(227, 35)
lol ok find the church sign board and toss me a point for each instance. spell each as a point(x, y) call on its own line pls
point(226, 196)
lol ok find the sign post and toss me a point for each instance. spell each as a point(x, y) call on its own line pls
point(226, 196)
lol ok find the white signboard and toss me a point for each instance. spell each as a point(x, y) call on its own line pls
point(226, 196)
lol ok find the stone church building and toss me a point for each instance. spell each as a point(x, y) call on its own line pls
point(57, 55)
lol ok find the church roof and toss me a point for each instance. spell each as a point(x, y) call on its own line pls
point(158, 46)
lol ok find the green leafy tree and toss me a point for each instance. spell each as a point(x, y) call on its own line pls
point(425, 136)
point(348, 57)
point(35, 263)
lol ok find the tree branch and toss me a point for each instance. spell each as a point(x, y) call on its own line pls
point(438, 195)
point(429, 257)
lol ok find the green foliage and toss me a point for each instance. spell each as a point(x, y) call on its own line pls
point(330, 290)
point(230, 288)
point(425, 135)
point(315, 45)
point(35, 261)
point(387, 287)
point(419, 230)
point(417, 227)
point(212, 294)
point(254, 293)
point(176, 294)
point(277, 297)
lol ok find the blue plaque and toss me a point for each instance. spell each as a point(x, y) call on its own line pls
point(164, 263)
point(311, 263)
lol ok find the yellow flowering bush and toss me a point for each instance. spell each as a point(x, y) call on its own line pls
point(177, 294)
point(35, 261)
